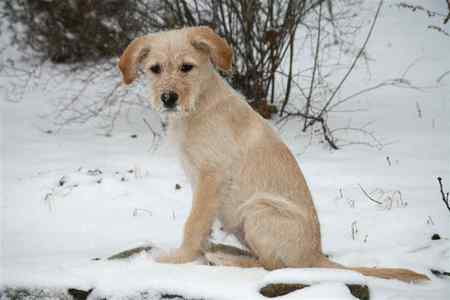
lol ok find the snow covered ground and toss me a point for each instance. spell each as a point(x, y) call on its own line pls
point(73, 195)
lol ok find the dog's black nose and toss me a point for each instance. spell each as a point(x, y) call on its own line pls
point(169, 99)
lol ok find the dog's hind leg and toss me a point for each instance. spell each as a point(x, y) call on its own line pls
point(280, 233)
point(276, 231)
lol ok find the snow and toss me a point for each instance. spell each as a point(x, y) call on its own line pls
point(313, 276)
point(73, 195)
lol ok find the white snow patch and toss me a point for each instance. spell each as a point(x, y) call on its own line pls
point(313, 276)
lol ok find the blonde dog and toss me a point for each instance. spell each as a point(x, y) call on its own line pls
point(240, 170)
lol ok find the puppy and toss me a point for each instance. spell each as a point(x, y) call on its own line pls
point(240, 170)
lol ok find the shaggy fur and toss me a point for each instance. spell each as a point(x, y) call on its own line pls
point(240, 170)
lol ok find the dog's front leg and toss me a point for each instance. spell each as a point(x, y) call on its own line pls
point(199, 222)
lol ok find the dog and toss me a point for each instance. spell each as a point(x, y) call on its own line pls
point(240, 170)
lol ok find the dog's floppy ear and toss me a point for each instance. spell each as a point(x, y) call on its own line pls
point(131, 57)
point(205, 39)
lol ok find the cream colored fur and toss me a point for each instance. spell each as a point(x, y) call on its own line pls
point(241, 171)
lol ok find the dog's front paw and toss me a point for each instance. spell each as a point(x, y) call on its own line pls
point(179, 256)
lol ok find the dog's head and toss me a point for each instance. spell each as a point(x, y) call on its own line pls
point(179, 64)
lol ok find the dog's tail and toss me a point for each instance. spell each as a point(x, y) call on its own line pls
point(385, 273)
point(219, 254)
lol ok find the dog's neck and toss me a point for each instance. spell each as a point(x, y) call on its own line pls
point(215, 90)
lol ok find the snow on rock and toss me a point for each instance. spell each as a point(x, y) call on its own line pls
point(313, 275)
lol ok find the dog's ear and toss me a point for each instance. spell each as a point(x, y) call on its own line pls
point(132, 56)
point(205, 39)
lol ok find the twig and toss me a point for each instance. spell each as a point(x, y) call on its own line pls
point(444, 195)
point(316, 57)
point(290, 78)
point(368, 196)
point(328, 137)
point(350, 69)
point(354, 230)
point(155, 135)
point(439, 273)
point(448, 15)
point(442, 76)
point(412, 64)
point(439, 29)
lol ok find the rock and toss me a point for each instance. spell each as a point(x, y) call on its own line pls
point(280, 289)
point(435, 237)
point(130, 252)
point(34, 293)
point(79, 294)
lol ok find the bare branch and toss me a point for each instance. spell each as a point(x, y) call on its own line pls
point(368, 196)
point(443, 194)
point(352, 66)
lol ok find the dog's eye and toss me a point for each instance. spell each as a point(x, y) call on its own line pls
point(185, 68)
point(156, 69)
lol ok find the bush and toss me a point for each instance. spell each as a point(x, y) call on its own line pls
point(73, 31)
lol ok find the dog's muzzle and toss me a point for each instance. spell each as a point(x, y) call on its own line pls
point(169, 99)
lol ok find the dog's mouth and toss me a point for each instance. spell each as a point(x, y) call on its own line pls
point(178, 109)
point(163, 109)
point(170, 110)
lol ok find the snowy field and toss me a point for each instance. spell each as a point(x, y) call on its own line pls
point(71, 198)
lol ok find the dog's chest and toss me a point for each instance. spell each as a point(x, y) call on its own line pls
point(203, 144)
point(202, 147)
point(178, 139)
